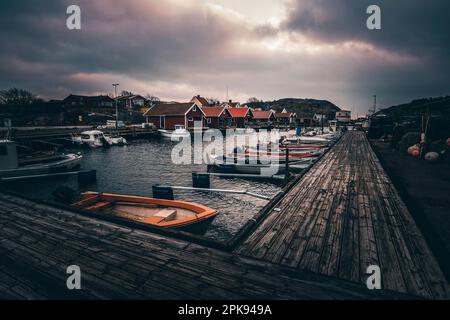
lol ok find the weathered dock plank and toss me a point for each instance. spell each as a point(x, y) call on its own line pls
point(343, 216)
point(38, 242)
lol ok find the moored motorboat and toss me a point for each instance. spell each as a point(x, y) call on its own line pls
point(116, 140)
point(308, 140)
point(294, 153)
point(264, 166)
point(160, 213)
point(92, 139)
point(10, 166)
point(263, 169)
point(179, 132)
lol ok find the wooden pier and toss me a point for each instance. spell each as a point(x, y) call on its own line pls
point(340, 217)
point(343, 216)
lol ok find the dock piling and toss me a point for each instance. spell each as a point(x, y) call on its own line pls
point(200, 180)
point(162, 192)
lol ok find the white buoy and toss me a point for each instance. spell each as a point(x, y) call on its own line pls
point(432, 156)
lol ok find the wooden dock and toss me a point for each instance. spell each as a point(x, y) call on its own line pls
point(38, 242)
point(343, 216)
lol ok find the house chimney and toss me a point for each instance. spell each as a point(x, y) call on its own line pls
point(230, 101)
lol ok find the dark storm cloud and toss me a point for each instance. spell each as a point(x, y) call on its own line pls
point(416, 31)
point(415, 27)
point(144, 39)
point(177, 48)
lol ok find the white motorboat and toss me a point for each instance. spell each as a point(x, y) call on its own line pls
point(116, 140)
point(93, 139)
point(307, 140)
point(10, 166)
point(264, 169)
point(260, 166)
point(179, 132)
point(293, 152)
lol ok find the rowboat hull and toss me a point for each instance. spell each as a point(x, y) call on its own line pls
point(159, 213)
point(68, 163)
point(263, 169)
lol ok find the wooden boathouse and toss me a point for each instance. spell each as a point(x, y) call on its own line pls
point(314, 242)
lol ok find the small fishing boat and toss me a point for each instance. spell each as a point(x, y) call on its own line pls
point(259, 165)
point(308, 140)
point(12, 166)
point(92, 139)
point(116, 140)
point(293, 153)
point(160, 213)
point(179, 132)
point(263, 169)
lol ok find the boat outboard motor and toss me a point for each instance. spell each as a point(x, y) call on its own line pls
point(105, 142)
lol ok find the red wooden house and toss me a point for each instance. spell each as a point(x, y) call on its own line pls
point(263, 117)
point(168, 115)
point(285, 118)
point(240, 117)
point(217, 117)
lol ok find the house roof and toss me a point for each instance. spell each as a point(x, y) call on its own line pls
point(213, 112)
point(165, 109)
point(262, 114)
point(202, 100)
point(232, 104)
point(88, 98)
point(171, 109)
point(284, 114)
point(130, 97)
point(239, 112)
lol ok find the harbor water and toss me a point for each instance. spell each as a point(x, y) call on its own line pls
point(133, 169)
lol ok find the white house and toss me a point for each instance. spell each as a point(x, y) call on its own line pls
point(344, 116)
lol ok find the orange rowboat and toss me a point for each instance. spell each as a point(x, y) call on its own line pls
point(161, 213)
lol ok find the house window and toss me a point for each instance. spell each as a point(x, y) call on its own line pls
point(208, 120)
point(194, 108)
point(190, 119)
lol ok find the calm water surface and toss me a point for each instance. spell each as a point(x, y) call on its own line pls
point(133, 169)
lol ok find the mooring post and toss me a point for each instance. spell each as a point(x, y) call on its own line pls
point(286, 171)
point(162, 192)
point(200, 180)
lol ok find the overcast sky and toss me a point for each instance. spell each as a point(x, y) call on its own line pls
point(267, 49)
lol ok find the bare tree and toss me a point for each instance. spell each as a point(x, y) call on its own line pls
point(126, 93)
point(213, 101)
point(151, 98)
point(253, 100)
point(15, 96)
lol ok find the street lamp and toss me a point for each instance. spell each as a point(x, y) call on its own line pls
point(115, 85)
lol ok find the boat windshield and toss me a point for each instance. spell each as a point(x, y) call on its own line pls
point(85, 136)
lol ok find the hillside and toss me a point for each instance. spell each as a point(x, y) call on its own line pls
point(298, 106)
point(434, 106)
